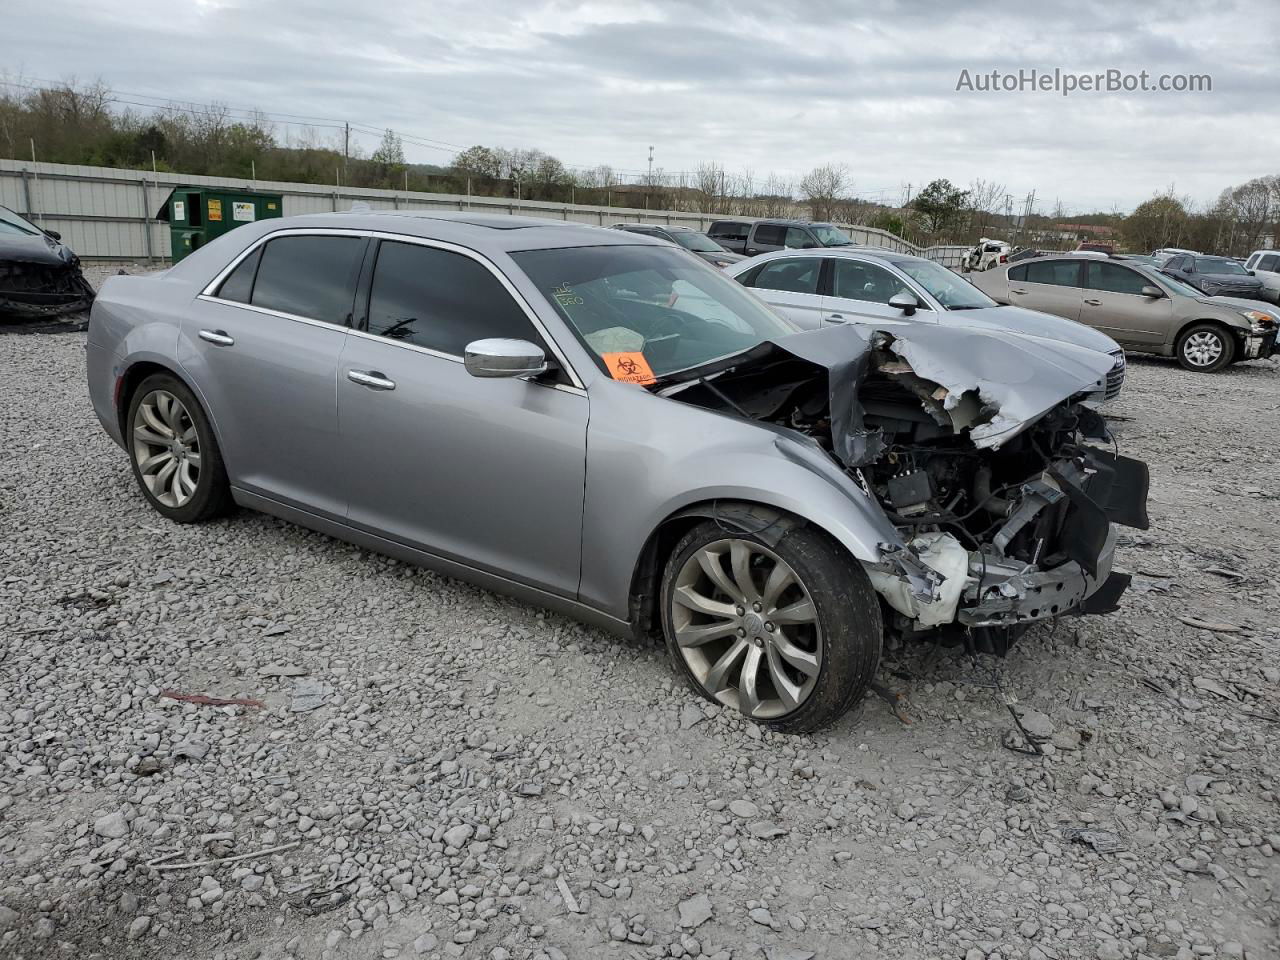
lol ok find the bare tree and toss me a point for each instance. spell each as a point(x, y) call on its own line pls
point(822, 186)
point(986, 201)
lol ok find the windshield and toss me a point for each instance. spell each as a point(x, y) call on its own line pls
point(10, 222)
point(1174, 284)
point(1219, 265)
point(829, 236)
point(698, 242)
point(944, 286)
point(647, 312)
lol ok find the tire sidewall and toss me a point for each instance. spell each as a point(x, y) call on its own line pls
point(1224, 360)
point(848, 617)
point(211, 470)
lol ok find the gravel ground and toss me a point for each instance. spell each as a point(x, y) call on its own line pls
point(428, 769)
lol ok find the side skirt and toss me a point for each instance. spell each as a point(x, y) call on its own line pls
point(420, 558)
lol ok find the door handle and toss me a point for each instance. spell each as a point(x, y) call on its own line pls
point(1094, 303)
point(218, 337)
point(371, 379)
point(1018, 292)
point(839, 317)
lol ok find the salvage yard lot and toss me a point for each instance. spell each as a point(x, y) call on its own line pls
point(451, 773)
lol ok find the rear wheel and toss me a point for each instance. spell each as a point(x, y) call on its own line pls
point(788, 633)
point(1205, 348)
point(175, 456)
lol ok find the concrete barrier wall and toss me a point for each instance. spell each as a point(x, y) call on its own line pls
point(104, 213)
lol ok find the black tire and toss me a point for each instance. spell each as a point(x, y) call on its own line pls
point(847, 614)
point(1202, 333)
point(212, 494)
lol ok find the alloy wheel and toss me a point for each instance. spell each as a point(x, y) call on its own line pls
point(747, 628)
point(166, 448)
point(1203, 349)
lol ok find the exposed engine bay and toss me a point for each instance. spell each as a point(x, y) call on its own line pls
point(983, 452)
point(39, 275)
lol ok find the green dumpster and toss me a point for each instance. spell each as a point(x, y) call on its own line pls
point(198, 214)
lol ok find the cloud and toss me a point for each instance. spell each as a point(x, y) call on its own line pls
point(752, 85)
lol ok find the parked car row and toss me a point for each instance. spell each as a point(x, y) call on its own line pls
point(597, 422)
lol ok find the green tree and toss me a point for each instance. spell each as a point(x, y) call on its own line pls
point(390, 152)
point(940, 205)
point(478, 161)
point(1161, 221)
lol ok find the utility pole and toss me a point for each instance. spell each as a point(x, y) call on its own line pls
point(649, 181)
point(907, 202)
point(346, 144)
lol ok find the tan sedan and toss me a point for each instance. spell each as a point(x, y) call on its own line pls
point(1141, 309)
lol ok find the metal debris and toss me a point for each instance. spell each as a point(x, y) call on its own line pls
point(1102, 841)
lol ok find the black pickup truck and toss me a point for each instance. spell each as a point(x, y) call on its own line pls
point(763, 236)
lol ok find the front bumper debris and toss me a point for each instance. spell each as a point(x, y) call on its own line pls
point(1258, 346)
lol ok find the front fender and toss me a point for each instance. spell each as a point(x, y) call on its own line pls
point(648, 464)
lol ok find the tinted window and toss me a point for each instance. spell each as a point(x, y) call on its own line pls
point(440, 300)
point(1252, 262)
point(798, 239)
point(239, 284)
point(1018, 273)
point(1219, 265)
point(1268, 263)
point(855, 280)
point(1177, 263)
point(1114, 279)
point(725, 228)
point(309, 276)
point(793, 275)
point(1061, 273)
point(769, 234)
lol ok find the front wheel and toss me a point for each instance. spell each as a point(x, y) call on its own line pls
point(175, 456)
point(788, 633)
point(1205, 348)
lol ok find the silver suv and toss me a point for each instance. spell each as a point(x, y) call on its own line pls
point(1143, 309)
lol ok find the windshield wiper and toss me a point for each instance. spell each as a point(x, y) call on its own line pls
point(971, 306)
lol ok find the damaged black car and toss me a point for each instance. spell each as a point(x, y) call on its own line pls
point(40, 276)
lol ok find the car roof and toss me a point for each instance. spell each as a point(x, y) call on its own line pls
point(881, 253)
point(471, 229)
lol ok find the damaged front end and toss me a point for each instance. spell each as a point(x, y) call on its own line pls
point(39, 276)
point(981, 452)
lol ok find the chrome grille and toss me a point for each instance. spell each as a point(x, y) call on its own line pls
point(1115, 377)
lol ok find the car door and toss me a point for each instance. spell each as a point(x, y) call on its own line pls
point(859, 291)
point(1113, 302)
point(486, 472)
point(261, 346)
point(1183, 268)
point(765, 238)
point(791, 286)
point(1048, 285)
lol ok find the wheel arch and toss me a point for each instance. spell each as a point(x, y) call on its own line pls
point(133, 375)
point(770, 523)
point(1225, 325)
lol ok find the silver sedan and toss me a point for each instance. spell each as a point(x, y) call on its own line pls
point(598, 423)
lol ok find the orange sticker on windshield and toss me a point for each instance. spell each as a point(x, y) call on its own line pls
point(629, 367)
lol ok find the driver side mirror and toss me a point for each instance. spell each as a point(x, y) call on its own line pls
point(497, 357)
point(53, 234)
point(905, 302)
point(1152, 291)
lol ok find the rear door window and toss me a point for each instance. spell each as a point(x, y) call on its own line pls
point(441, 300)
point(1059, 273)
point(792, 274)
point(769, 234)
point(1269, 262)
point(309, 276)
point(1018, 273)
point(1114, 279)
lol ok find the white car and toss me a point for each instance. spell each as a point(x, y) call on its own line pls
point(1164, 253)
point(986, 254)
point(888, 290)
point(1265, 265)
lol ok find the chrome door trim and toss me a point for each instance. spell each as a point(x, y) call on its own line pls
point(208, 294)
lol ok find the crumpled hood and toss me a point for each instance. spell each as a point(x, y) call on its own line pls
point(1014, 378)
point(41, 249)
point(1032, 322)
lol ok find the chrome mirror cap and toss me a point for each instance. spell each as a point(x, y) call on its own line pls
point(904, 302)
point(498, 357)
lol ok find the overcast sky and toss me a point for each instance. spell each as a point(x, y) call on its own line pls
point(752, 85)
